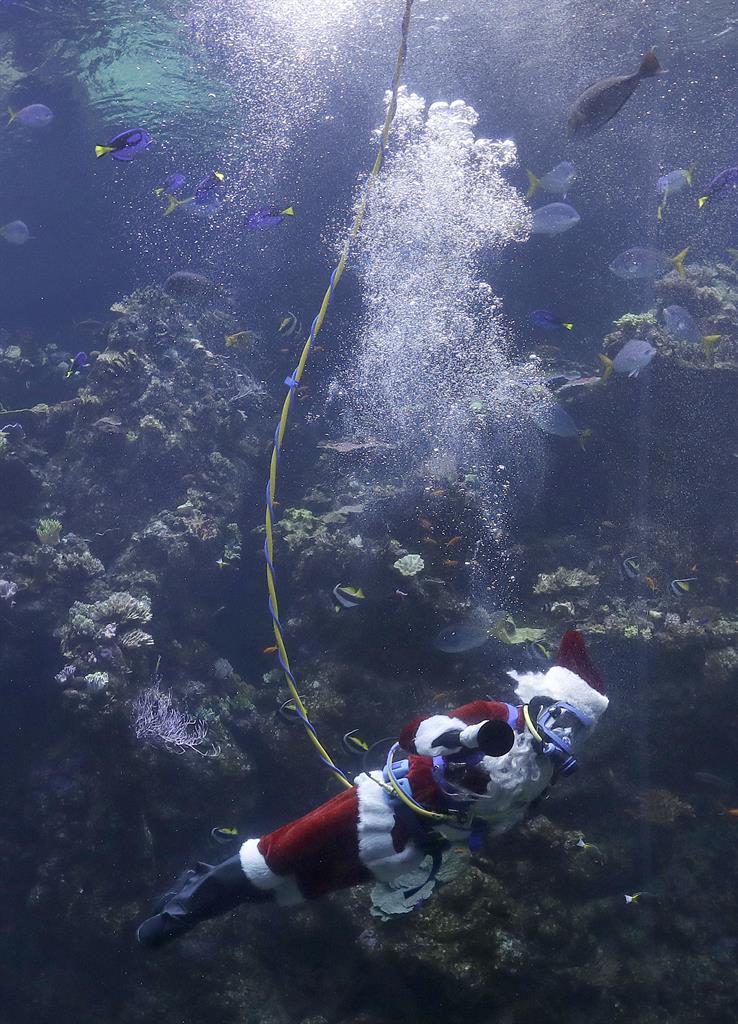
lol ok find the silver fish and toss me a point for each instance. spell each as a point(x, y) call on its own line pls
point(644, 264)
point(633, 357)
point(554, 219)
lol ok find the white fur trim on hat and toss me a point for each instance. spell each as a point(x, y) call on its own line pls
point(376, 821)
point(430, 729)
point(258, 872)
point(561, 684)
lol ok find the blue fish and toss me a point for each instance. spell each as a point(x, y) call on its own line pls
point(16, 232)
point(35, 115)
point(206, 193)
point(266, 217)
point(727, 179)
point(77, 363)
point(126, 146)
point(172, 183)
point(461, 637)
point(545, 318)
point(553, 419)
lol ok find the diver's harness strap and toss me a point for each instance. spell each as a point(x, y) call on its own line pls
point(421, 822)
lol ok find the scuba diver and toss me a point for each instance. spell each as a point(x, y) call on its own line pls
point(472, 772)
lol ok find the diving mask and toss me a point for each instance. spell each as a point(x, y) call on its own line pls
point(554, 724)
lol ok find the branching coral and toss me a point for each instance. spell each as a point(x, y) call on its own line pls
point(136, 638)
point(158, 722)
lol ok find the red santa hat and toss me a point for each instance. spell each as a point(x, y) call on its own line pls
point(572, 678)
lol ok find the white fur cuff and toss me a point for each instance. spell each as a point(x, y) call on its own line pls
point(261, 876)
point(430, 729)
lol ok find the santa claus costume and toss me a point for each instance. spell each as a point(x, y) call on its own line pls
point(476, 770)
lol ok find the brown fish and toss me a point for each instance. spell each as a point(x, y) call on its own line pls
point(601, 102)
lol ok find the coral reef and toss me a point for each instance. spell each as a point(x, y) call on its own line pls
point(154, 463)
point(564, 579)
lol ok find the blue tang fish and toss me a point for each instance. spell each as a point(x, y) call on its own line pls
point(206, 196)
point(545, 318)
point(77, 363)
point(266, 217)
point(206, 193)
point(172, 183)
point(721, 183)
point(126, 146)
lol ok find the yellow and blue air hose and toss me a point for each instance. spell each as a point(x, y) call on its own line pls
point(297, 707)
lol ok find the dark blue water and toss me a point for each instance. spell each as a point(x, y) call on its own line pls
point(152, 463)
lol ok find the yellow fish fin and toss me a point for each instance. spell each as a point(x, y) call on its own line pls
point(709, 341)
point(569, 327)
point(689, 173)
point(660, 212)
point(702, 200)
point(158, 191)
point(219, 175)
point(12, 114)
point(103, 150)
point(533, 183)
point(288, 212)
point(173, 203)
point(607, 363)
point(678, 261)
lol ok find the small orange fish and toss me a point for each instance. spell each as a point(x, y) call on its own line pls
point(272, 649)
point(425, 523)
point(429, 540)
point(732, 812)
point(454, 541)
point(450, 562)
point(650, 583)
